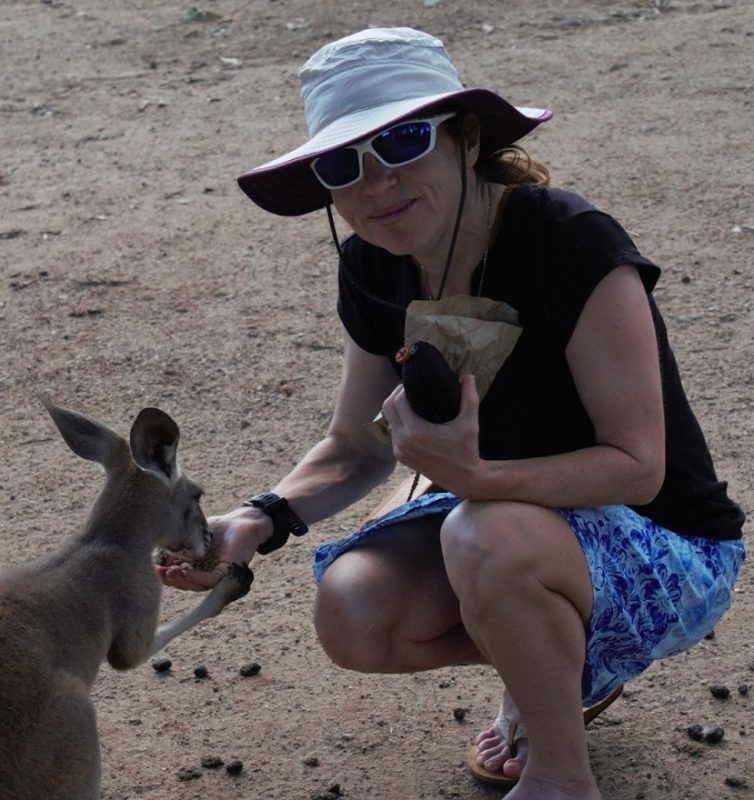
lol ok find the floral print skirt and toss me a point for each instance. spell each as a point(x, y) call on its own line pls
point(655, 593)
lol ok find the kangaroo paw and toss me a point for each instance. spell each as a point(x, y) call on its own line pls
point(237, 582)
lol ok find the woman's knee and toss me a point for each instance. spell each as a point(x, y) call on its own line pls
point(491, 548)
point(355, 610)
point(479, 534)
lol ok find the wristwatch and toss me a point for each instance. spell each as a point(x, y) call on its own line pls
point(284, 520)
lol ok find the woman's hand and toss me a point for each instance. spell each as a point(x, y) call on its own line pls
point(446, 454)
point(235, 538)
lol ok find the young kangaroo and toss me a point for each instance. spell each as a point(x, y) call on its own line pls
point(95, 597)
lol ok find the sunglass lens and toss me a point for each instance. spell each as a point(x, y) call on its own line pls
point(338, 168)
point(403, 143)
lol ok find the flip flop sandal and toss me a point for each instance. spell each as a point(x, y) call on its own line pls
point(518, 731)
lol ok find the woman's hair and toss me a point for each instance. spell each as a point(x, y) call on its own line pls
point(512, 165)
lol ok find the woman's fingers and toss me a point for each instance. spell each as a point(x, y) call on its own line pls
point(194, 580)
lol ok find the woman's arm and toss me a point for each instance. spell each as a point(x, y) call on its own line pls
point(340, 469)
point(350, 461)
point(614, 361)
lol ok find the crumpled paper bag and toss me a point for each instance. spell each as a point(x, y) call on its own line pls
point(475, 335)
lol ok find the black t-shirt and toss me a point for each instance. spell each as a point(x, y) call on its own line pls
point(551, 250)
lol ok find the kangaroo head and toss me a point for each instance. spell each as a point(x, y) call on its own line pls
point(154, 447)
point(153, 451)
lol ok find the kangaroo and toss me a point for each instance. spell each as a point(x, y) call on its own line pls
point(95, 597)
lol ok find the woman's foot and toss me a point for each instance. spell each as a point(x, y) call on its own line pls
point(532, 787)
point(504, 748)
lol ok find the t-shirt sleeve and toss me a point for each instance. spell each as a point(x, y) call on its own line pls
point(374, 290)
point(586, 248)
point(355, 309)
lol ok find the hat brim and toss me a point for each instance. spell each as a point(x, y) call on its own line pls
point(288, 187)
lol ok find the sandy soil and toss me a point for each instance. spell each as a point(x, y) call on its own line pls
point(134, 273)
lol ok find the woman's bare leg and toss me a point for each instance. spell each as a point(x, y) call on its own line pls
point(525, 596)
point(386, 606)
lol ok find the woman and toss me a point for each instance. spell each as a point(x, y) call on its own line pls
point(582, 531)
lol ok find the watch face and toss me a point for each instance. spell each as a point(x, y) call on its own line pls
point(265, 501)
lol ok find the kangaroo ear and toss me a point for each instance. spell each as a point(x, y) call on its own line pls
point(154, 442)
point(87, 438)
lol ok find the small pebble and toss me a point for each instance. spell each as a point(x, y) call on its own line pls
point(719, 692)
point(212, 762)
point(709, 636)
point(459, 714)
point(161, 664)
point(188, 774)
point(200, 671)
point(736, 782)
point(249, 670)
point(234, 766)
point(743, 689)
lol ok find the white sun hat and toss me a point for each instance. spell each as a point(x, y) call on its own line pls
point(358, 86)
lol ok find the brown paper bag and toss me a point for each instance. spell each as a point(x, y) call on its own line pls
point(474, 334)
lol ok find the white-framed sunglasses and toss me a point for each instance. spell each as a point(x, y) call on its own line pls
point(396, 146)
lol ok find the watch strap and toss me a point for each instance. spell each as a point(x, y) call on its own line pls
point(285, 521)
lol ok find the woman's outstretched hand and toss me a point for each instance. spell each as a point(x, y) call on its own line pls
point(235, 538)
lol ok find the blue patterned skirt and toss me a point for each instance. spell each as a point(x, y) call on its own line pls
point(655, 593)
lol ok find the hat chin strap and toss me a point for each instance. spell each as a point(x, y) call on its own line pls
point(451, 249)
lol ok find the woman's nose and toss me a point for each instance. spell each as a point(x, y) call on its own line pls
point(377, 175)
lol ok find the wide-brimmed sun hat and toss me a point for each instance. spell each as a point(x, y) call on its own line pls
point(357, 86)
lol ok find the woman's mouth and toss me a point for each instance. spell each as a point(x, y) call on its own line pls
point(389, 215)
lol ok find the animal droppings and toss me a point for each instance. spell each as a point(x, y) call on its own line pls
point(249, 670)
point(161, 664)
point(200, 671)
point(333, 793)
point(719, 692)
point(234, 766)
point(189, 774)
point(212, 762)
point(696, 732)
point(713, 734)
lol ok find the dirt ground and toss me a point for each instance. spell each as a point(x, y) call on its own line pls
point(134, 273)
